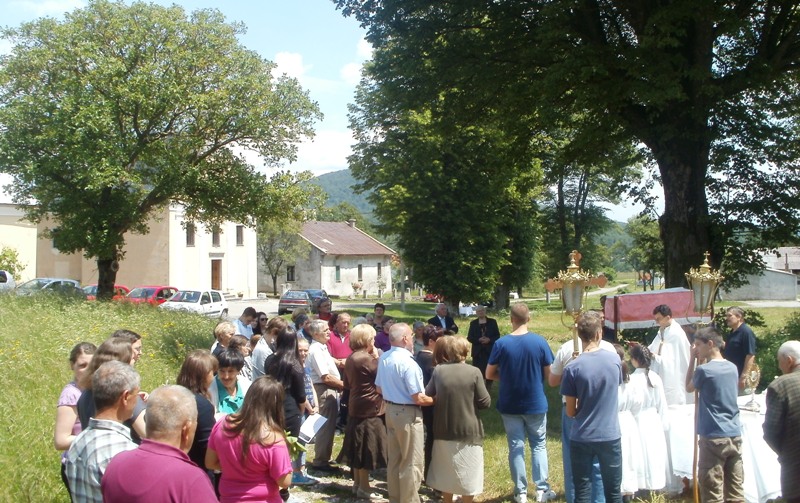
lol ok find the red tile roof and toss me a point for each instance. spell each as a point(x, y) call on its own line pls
point(339, 238)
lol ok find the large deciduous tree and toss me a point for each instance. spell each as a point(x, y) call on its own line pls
point(115, 112)
point(701, 84)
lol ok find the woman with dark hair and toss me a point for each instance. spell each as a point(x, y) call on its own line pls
point(260, 324)
point(629, 443)
point(197, 375)
point(249, 447)
point(425, 361)
point(241, 344)
point(67, 423)
point(284, 366)
point(135, 340)
point(228, 388)
point(119, 349)
point(483, 333)
point(324, 307)
point(648, 390)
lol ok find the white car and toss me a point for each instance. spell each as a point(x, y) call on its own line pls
point(7, 281)
point(206, 302)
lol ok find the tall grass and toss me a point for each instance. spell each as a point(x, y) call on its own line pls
point(36, 336)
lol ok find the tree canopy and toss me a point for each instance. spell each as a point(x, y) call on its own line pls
point(119, 110)
point(707, 88)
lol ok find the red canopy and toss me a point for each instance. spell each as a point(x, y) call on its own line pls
point(635, 310)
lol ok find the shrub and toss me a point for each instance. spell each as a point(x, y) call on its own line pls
point(767, 349)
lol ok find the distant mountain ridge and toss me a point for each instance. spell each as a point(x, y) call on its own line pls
point(339, 187)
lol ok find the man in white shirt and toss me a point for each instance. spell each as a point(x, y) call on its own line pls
point(244, 324)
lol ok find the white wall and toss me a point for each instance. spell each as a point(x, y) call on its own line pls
point(772, 285)
point(21, 236)
point(348, 266)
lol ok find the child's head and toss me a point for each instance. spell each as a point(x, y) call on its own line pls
point(302, 349)
point(240, 343)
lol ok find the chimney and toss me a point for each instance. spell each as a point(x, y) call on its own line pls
point(352, 223)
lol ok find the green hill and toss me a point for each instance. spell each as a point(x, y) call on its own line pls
point(339, 187)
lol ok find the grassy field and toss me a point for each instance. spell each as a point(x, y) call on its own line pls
point(37, 335)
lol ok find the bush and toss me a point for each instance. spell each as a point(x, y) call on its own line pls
point(767, 349)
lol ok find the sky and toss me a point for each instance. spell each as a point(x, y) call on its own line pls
point(307, 39)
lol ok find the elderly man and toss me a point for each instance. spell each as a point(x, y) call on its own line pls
point(399, 380)
point(327, 383)
point(339, 348)
point(163, 469)
point(521, 362)
point(115, 387)
point(443, 319)
point(782, 422)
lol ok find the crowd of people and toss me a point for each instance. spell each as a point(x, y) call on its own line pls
point(406, 401)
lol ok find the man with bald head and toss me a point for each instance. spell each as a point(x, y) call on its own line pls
point(399, 380)
point(160, 469)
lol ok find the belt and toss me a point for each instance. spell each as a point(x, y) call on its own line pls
point(401, 404)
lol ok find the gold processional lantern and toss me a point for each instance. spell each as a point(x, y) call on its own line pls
point(573, 293)
point(704, 283)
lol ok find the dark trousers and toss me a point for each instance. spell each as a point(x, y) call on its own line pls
point(609, 456)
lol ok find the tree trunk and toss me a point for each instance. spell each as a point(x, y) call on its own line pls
point(106, 278)
point(501, 297)
point(684, 225)
point(274, 284)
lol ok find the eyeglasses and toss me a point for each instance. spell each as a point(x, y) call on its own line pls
point(262, 319)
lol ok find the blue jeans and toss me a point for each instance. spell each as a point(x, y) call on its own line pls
point(609, 455)
point(569, 486)
point(532, 427)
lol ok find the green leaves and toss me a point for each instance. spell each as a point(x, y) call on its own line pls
point(122, 109)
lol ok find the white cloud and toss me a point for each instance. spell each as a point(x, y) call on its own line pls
point(351, 73)
point(5, 47)
point(364, 49)
point(49, 7)
point(291, 64)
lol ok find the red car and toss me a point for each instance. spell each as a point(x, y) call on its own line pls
point(154, 295)
point(120, 291)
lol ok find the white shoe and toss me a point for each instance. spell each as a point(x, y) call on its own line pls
point(543, 496)
point(521, 498)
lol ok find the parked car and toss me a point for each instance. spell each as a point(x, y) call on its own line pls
point(315, 296)
point(60, 286)
point(154, 295)
point(120, 291)
point(206, 302)
point(432, 297)
point(7, 282)
point(293, 299)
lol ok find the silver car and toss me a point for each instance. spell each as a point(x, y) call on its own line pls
point(206, 302)
point(7, 281)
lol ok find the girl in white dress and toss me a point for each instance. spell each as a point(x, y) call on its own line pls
point(652, 419)
point(630, 441)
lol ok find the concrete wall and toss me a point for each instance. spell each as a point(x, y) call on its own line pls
point(348, 273)
point(21, 236)
point(772, 285)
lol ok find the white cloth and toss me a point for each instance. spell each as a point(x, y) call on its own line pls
point(630, 441)
point(761, 467)
point(652, 417)
point(671, 361)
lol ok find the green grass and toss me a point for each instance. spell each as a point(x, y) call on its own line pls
point(36, 336)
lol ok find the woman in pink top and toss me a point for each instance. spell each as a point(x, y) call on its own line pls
point(67, 423)
point(249, 447)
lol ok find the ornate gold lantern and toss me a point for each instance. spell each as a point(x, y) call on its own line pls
point(704, 283)
point(573, 292)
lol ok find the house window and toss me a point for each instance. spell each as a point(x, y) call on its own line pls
point(240, 235)
point(338, 274)
point(380, 270)
point(215, 238)
point(290, 273)
point(189, 234)
point(360, 273)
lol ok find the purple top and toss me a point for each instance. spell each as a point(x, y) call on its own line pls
point(162, 473)
point(69, 398)
point(382, 341)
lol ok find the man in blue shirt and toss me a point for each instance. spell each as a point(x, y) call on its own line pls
point(521, 362)
point(590, 385)
point(720, 447)
point(399, 380)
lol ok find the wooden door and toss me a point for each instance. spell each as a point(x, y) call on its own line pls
point(216, 274)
